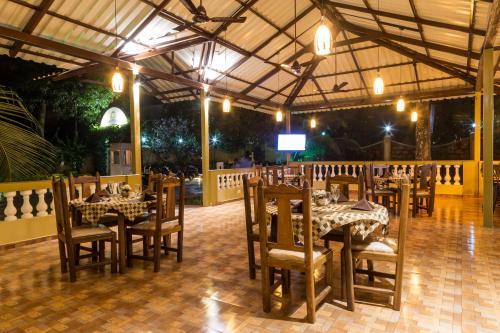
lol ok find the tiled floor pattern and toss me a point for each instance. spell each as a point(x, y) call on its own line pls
point(451, 284)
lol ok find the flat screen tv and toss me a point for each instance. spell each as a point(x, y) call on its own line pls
point(291, 142)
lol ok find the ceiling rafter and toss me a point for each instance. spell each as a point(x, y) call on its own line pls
point(31, 25)
point(358, 68)
point(419, 26)
point(174, 66)
point(375, 17)
point(244, 7)
point(489, 39)
point(301, 82)
point(39, 54)
point(470, 38)
point(416, 77)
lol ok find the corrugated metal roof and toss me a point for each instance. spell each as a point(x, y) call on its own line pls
point(90, 25)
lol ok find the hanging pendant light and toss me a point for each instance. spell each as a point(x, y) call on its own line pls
point(414, 116)
point(226, 105)
point(313, 123)
point(378, 85)
point(279, 116)
point(400, 106)
point(117, 81)
point(322, 40)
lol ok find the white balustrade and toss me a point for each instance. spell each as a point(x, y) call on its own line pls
point(41, 207)
point(354, 174)
point(52, 212)
point(439, 178)
point(26, 208)
point(10, 210)
point(457, 175)
point(447, 177)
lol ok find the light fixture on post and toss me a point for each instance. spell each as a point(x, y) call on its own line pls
point(313, 122)
point(378, 84)
point(117, 79)
point(400, 106)
point(414, 116)
point(322, 38)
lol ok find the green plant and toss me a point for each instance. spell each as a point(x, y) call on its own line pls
point(23, 152)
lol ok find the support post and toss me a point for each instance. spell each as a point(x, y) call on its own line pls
point(477, 141)
point(387, 147)
point(288, 126)
point(488, 121)
point(205, 149)
point(135, 123)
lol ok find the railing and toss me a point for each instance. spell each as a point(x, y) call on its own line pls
point(227, 184)
point(27, 208)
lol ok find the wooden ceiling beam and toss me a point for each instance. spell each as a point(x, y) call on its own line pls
point(301, 82)
point(174, 67)
point(438, 24)
point(31, 25)
point(48, 56)
point(358, 68)
point(244, 7)
point(489, 39)
point(106, 60)
point(419, 26)
point(472, 21)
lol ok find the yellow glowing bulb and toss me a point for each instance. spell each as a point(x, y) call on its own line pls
point(323, 40)
point(117, 82)
point(414, 116)
point(378, 85)
point(226, 105)
point(400, 106)
point(313, 123)
point(279, 116)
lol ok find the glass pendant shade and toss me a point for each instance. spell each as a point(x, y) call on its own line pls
point(117, 82)
point(226, 105)
point(378, 85)
point(323, 40)
point(400, 106)
point(279, 116)
point(414, 116)
point(313, 123)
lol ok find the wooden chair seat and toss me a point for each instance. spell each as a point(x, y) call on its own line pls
point(375, 244)
point(293, 258)
point(172, 226)
point(82, 231)
point(423, 193)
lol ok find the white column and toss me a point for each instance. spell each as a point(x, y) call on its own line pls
point(447, 177)
point(26, 208)
point(457, 175)
point(10, 210)
point(52, 212)
point(41, 207)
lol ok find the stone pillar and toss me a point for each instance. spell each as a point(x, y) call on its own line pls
point(135, 123)
point(423, 133)
point(488, 124)
point(205, 150)
point(288, 125)
point(387, 147)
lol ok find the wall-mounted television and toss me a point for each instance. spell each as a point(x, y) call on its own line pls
point(291, 142)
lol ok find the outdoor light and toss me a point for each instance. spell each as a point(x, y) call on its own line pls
point(205, 88)
point(144, 139)
point(226, 105)
point(414, 116)
point(180, 140)
point(117, 82)
point(400, 106)
point(279, 116)
point(473, 125)
point(388, 128)
point(323, 133)
point(313, 123)
point(378, 85)
point(323, 39)
point(215, 139)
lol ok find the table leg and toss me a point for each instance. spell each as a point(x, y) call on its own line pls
point(349, 279)
point(122, 239)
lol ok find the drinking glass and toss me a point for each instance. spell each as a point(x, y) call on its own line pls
point(335, 194)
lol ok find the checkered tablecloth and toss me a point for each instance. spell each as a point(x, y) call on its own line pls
point(93, 212)
point(386, 181)
point(334, 216)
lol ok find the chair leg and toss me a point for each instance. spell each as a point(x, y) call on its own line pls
point(166, 243)
point(146, 244)
point(95, 252)
point(180, 244)
point(71, 262)
point(329, 277)
point(130, 249)
point(327, 243)
point(62, 257)
point(398, 283)
point(342, 275)
point(369, 263)
point(310, 296)
point(414, 207)
point(285, 281)
point(76, 252)
point(266, 288)
point(157, 253)
point(113, 254)
point(251, 259)
point(102, 249)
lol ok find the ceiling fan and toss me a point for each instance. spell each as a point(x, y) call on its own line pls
point(336, 87)
point(200, 16)
point(295, 66)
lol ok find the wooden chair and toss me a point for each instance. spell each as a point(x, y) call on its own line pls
point(70, 236)
point(308, 175)
point(375, 249)
point(285, 252)
point(424, 188)
point(274, 174)
point(388, 195)
point(296, 172)
point(163, 223)
point(252, 230)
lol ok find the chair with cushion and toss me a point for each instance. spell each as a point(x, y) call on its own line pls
point(424, 188)
point(373, 249)
point(285, 252)
point(374, 192)
point(69, 236)
point(168, 219)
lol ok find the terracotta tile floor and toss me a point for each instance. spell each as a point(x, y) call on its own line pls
point(451, 284)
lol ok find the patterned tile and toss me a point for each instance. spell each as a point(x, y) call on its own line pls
point(451, 284)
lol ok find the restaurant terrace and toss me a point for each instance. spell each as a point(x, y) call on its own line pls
point(399, 245)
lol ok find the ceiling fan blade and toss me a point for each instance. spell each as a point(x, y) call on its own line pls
point(228, 19)
point(285, 66)
point(190, 6)
point(183, 26)
point(342, 85)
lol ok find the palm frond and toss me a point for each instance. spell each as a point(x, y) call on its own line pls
point(23, 153)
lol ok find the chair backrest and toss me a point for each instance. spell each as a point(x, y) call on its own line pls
point(282, 195)
point(152, 179)
point(273, 174)
point(380, 170)
point(249, 195)
point(403, 217)
point(167, 199)
point(496, 173)
point(86, 183)
point(344, 181)
point(424, 177)
point(309, 174)
point(63, 222)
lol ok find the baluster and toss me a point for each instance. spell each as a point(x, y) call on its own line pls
point(302, 168)
point(219, 182)
point(333, 170)
point(395, 168)
point(412, 169)
point(447, 177)
point(439, 178)
point(51, 205)
point(26, 208)
point(41, 207)
point(92, 188)
point(457, 175)
point(354, 173)
point(10, 210)
point(404, 168)
point(321, 172)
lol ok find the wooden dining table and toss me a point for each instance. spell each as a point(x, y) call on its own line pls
point(338, 216)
